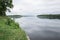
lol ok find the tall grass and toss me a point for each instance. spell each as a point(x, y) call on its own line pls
point(9, 30)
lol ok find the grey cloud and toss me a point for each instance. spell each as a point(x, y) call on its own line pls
point(36, 6)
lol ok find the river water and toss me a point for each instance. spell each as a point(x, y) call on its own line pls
point(40, 29)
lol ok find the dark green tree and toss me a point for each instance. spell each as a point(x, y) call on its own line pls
point(4, 6)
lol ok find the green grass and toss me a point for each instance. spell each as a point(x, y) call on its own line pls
point(9, 30)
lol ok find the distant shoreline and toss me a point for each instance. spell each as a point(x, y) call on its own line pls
point(50, 16)
point(15, 16)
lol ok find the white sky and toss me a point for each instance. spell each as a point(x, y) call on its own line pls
point(32, 7)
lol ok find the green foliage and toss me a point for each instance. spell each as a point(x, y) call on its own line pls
point(4, 5)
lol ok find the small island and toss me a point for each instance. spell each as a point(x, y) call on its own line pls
point(49, 16)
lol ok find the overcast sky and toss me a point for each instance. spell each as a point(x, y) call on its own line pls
point(36, 7)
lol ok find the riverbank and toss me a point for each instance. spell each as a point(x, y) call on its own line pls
point(10, 30)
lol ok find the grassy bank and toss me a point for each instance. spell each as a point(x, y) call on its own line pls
point(50, 16)
point(9, 30)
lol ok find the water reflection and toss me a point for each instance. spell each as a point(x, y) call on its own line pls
point(40, 29)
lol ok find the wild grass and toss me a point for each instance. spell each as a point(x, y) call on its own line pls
point(10, 30)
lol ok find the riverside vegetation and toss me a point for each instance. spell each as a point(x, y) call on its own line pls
point(10, 30)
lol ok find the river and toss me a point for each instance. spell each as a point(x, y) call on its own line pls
point(40, 29)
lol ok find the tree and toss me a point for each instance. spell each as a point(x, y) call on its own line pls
point(4, 6)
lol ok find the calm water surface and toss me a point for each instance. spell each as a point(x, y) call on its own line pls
point(40, 29)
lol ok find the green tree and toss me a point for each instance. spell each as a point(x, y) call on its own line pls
point(4, 6)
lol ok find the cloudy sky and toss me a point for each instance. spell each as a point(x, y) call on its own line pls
point(33, 7)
